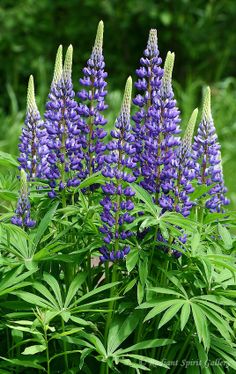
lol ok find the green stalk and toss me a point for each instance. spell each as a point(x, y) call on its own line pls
point(180, 355)
point(47, 350)
point(104, 366)
point(64, 345)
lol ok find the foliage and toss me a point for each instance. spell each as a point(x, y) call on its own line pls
point(64, 311)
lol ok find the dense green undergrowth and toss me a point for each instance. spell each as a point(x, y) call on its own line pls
point(149, 312)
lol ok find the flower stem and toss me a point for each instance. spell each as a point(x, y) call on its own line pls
point(64, 345)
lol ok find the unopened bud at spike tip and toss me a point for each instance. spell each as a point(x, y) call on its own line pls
point(98, 44)
point(67, 69)
point(188, 135)
point(152, 41)
point(127, 96)
point(206, 113)
point(58, 69)
point(168, 70)
point(31, 103)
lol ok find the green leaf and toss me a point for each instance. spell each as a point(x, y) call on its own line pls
point(34, 349)
point(140, 293)
point(73, 288)
point(184, 316)
point(147, 199)
point(170, 313)
point(201, 325)
point(143, 270)
point(7, 160)
point(33, 299)
point(52, 282)
point(44, 223)
point(96, 343)
point(25, 363)
point(146, 344)
point(94, 292)
point(93, 179)
point(226, 236)
point(132, 364)
point(161, 306)
point(132, 259)
point(165, 291)
point(130, 285)
point(149, 360)
point(120, 329)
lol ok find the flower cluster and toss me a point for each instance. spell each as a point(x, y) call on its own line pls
point(63, 131)
point(71, 144)
point(156, 123)
point(181, 171)
point(22, 213)
point(117, 202)
point(31, 144)
point(206, 153)
point(93, 104)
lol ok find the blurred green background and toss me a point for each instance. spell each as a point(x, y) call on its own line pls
point(201, 33)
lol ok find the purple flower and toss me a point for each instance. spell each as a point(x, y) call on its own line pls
point(93, 104)
point(22, 213)
point(207, 155)
point(31, 138)
point(156, 122)
point(180, 172)
point(64, 156)
point(117, 201)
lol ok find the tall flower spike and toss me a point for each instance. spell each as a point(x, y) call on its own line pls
point(117, 202)
point(93, 97)
point(62, 124)
point(207, 155)
point(181, 171)
point(30, 146)
point(22, 213)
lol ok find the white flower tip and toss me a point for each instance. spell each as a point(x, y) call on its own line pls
point(167, 77)
point(206, 113)
point(97, 49)
point(31, 103)
point(67, 69)
point(58, 69)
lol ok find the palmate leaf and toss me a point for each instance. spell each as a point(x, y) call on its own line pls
point(120, 329)
point(14, 279)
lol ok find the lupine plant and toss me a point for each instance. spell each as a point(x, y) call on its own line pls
point(117, 250)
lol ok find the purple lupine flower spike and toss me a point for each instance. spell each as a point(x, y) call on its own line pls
point(93, 97)
point(182, 170)
point(22, 213)
point(31, 136)
point(206, 153)
point(63, 132)
point(148, 100)
point(167, 139)
point(117, 202)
